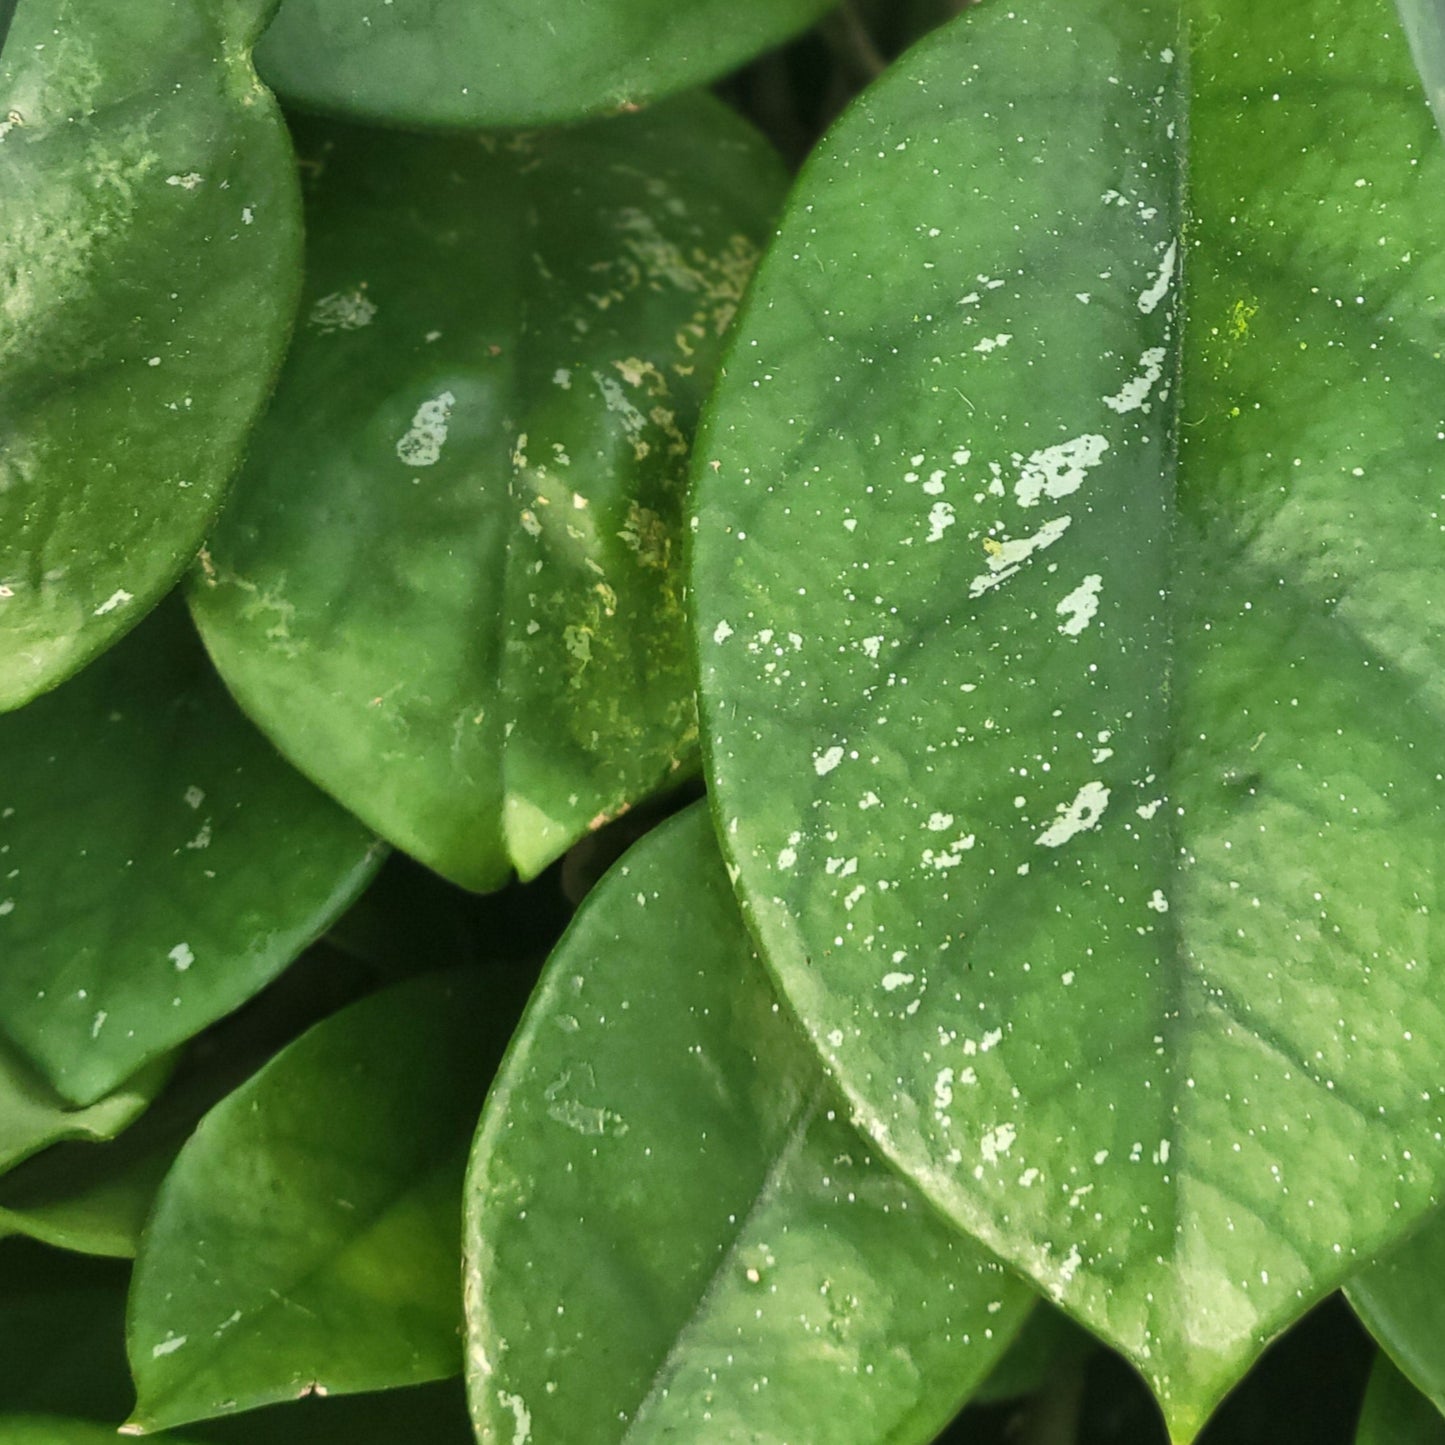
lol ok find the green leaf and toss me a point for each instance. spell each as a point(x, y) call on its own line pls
point(1396, 1413)
point(62, 1337)
point(448, 583)
point(161, 863)
point(33, 1116)
point(151, 256)
point(1071, 650)
point(95, 1197)
point(1400, 1301)
point(671, 1233)
point(1424, 22)
point(512, 62)
point(72, 1201)
point(307, 1239)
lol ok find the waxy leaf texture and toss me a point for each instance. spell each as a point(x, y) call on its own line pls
point(672, 1231)
point(1068, 558)
point(448, 585)
point(308, 1239)
point(149, 265)
point(161, 863)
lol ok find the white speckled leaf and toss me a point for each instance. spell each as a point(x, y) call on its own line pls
point(149, 264)
point(672, 1235)
point(448, 583)
point(1069, 541)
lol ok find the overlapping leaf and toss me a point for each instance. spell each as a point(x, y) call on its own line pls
point(33, 1116)
point(150, 259)
point(307, 1239)
point(62, 1338)
point(670, 1233)
point(72, 1201)
point(1067, 573)
point(1401, 1302)
point(94, 1198)
point(1396, 1413)
point(512, 62)
point(160, 862)
point(448, 584)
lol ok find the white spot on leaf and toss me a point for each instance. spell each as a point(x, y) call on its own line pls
point(341, 311)
point(1160, 287)
point(1077, 817)
point(997, 1141)
point(1058, 471)
point(118, 598)
point(1079, 607)
point(1010, 556)
point(422, 445)
point(521, 1416)
point(1135, 392)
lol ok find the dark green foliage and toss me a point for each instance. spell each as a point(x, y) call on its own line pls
point(1024, 590)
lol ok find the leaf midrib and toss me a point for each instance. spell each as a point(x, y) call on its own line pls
point(767, 1192)
point(368, 1222)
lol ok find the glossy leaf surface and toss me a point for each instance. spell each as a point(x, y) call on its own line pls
point(671, 1234)
point(1070, 647)
point(150, 257)
point(94, 1198)
point(62, 1337)
point(448, 583)
point(1401, 1300)
point(33, 1116)
point(512, 62)
point(161, 863)
point(76, 1203)
point(1396, 1413)
point(308, 1237)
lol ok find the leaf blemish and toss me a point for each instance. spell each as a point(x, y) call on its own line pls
point(422, 444)
point(1080, 606)
point(1077, 817)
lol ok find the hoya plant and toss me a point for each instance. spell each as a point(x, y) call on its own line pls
point(721, 721)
